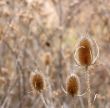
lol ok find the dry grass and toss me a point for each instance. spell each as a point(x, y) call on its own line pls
point(32, 29)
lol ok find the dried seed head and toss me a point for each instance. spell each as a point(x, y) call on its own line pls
point(47, 58)
point(85, 52)
point(72, 85)
point(37, 82)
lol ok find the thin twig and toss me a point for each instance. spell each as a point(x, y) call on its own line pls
point(43, 100)
point(81, 101)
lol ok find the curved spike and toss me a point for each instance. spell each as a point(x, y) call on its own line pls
point(97, 52)
point(63, 90)
point(44, 101)
point(75, 55)
point(95, 97)
point(82, 94)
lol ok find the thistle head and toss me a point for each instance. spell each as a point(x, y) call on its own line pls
point(47, 58)
point(37, 82)
point(85, 52)
point(72, 85)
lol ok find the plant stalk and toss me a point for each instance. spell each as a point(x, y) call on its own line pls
point(88, 89)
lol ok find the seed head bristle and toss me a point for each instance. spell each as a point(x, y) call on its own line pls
point(37, 82)
point(72, 85)
point(85, 52)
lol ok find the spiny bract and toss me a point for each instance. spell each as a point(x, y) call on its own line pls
point(72, 85)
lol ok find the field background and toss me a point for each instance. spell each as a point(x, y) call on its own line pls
point(31, 29)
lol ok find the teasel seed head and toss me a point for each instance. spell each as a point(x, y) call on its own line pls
point(47, 58)
point(85, 52)
point(72, 85)
point(37, 82)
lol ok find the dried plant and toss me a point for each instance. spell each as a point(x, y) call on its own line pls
point(32, 28)
point(38, 85)
point(72, 85)
point(85, 55)
point(85, 52)
point(47, 58)
point(37, 82)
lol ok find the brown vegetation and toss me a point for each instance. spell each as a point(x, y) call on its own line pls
point(31, 28)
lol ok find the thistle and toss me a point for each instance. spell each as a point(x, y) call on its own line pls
point(84, 52)
point(47, 58)
point(37, 82)
point(72, 85)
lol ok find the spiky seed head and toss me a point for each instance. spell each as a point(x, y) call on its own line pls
point(85, 52)
point(37, 82)
point(72, 85)
point(47, 58)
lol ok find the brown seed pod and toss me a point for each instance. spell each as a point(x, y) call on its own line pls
point(85, 52)
point(72, 85)
point(37, 82)
point(47, 58)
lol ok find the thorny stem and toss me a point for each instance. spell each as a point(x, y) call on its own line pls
point(80, 98)
point(43, 100)
point(88, 89)
point(81, 102)
point(48, 80)
point(49, 86)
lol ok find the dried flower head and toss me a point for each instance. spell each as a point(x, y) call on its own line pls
point(47, 58)
point(72, 85)
point(37, 82)
point(85, 52)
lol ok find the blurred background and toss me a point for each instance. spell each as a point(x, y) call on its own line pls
point(33, 31)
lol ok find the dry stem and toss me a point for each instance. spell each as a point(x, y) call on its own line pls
point(88, 89)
